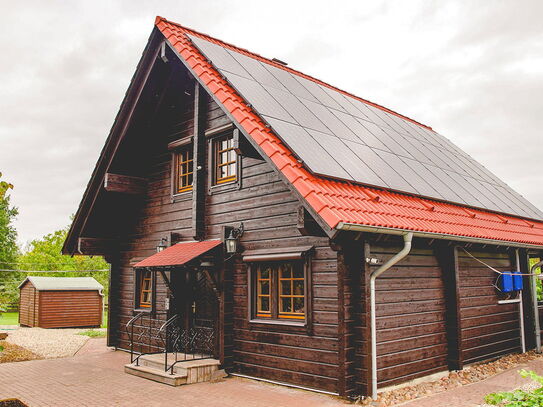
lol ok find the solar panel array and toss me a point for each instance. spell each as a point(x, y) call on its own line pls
point(339, 136)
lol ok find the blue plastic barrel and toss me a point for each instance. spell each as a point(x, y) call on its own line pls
point(517, 281)
point(506, 282)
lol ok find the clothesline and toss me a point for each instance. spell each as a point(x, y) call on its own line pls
point(495, 270)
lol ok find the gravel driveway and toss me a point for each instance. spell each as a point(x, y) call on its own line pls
point(48, 343)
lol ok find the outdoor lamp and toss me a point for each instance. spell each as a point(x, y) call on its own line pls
point(161, 245)
point(231, 242)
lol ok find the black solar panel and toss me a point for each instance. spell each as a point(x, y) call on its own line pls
point(339, 136)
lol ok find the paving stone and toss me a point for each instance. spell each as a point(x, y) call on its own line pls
point(95, 377)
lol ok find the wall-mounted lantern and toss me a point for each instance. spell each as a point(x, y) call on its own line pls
point(162, 245)
point(231, 242)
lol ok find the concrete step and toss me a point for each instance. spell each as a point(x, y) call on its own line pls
point(194, 371)
point(156, 375)
point(157, 362)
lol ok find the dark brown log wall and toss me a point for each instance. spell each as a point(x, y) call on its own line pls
point(488, 328)
point(269, 212)
point(411, 331)
point(412, 327)
point(291, 355)
point(158, 215)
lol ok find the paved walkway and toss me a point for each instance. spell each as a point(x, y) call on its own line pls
point(473, 394)
point(95, 377)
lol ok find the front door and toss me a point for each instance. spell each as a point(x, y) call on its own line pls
point(197, 305)
point(204, 315)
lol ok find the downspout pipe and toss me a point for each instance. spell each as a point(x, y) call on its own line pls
point(407, 238)
point(537, 327)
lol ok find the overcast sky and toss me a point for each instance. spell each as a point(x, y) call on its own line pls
point(472, 70)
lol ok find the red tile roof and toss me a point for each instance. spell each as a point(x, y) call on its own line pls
point(339, 201)
point(179, 254)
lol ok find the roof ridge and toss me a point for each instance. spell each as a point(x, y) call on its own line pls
point(295, 71)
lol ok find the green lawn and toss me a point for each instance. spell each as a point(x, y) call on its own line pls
point(93, 334)
point(9, 318)
point(12, 318)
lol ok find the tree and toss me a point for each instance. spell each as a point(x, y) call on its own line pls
point(4, 186)
point(45, 254)
point(8, 245)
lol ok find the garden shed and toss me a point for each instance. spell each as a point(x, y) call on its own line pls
point(60, 302)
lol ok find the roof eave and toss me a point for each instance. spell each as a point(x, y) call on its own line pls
point(93, 187)
point(345, 226)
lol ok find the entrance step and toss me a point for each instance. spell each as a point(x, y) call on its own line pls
point(155, 374)
point(185, 372)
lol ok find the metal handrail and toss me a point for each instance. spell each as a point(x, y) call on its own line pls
point(169, 337)
point(129, 327)
point(164, 328)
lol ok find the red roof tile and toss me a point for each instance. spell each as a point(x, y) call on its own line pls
point(179, 254)
point(340, 201)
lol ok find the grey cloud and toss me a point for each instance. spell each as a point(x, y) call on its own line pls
point(457, 66)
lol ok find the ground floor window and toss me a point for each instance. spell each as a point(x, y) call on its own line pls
point(279, 290)
point(144, 289)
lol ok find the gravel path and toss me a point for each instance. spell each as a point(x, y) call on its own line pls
point(48, 343)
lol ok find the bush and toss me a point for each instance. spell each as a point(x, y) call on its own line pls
point(519, 398)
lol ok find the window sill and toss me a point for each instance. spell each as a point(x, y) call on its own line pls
point(182, 196)
point(227, 186)
point(281, 324)
point(138, 310)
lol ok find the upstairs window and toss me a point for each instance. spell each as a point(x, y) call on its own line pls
point(184, 169)
point(224, 160)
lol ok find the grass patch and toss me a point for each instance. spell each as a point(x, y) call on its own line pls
point(91, 333)
point(9, 318)
point(104, 320)
point(12, 318)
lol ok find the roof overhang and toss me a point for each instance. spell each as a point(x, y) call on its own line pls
point(116, 134)
point(179, 254)
point(429, 235)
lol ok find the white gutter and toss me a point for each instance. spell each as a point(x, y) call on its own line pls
point(537, 326)
point(429, 235)
point(408, 238)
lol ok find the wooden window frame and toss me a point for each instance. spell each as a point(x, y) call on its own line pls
point(226, 184)
point(138, 278)
point(260, 313)
point(275, 318)
point(177, 148)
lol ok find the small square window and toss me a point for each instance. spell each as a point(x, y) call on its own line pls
point(280, 290)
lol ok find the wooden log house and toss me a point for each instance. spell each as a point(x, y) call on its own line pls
point(257, 213)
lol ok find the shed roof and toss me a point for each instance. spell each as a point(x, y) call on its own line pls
point(409, 190)
point(63, 283)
